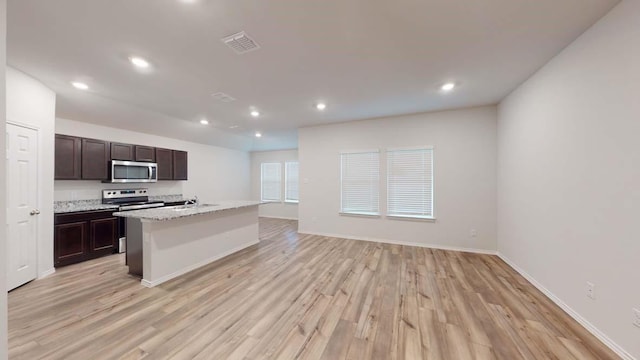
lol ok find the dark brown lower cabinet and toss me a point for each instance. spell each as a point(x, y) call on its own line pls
point(84, 235)
point(70, 243)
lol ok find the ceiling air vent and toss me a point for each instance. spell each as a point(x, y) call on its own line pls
point(241, 43)
point(223, 97)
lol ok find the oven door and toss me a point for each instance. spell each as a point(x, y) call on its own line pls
point(133, 172)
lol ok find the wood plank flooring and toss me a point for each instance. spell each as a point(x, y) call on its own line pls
point(298, 296)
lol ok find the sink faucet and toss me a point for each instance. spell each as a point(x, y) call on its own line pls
point(193, 201)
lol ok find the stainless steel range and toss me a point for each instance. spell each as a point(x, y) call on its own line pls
point(128, 199)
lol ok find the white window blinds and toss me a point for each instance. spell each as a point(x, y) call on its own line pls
point(271, 181)
point(410, 183)
point(291, 182)
point(360, 183)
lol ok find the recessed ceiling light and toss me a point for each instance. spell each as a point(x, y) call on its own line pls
point(255, 113)
point(80, 85)
point(321, 106)
point(233, 127)
point(258, 135)
point(448, 86)
point(204, 122)
point(139, 62)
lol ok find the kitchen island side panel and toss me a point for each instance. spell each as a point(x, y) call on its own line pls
point(134, 246)
point(174, 247)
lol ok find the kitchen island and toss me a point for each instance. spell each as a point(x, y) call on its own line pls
point(164, 243)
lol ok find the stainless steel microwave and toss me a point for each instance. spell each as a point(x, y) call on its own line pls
point(133, 172)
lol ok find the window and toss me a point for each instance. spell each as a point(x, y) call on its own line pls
point(410, 183)
point(271, 181)
point(291, 182)
point(360, 183)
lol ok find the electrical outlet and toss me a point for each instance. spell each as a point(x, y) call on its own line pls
point(591, 290)
point(473, 233)
point(636, 317)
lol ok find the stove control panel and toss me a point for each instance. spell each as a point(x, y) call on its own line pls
point(124, 194)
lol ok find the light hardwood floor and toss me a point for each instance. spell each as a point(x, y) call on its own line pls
point(298, 296)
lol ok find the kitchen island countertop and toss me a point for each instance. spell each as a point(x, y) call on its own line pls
point(177, 212)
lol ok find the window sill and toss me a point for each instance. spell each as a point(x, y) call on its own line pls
point(271, 202)
point(291, 201)
point(364, 215)
point(411, 218)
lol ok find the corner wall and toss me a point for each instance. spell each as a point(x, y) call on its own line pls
point(3, 176)
point(279, 210)
point(569, 177)
point(464, 169)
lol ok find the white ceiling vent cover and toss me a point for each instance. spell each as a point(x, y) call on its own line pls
point(220, 96)
point(241, 43)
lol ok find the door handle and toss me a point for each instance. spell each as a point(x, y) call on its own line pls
point(34, 212)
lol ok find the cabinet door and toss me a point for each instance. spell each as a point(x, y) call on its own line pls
point(121, 152)
point(180, 165)
point(104, 236)
point(95, 159)
point(67, 157)
point(70, 243)
point(145, 153)
point(165, 164)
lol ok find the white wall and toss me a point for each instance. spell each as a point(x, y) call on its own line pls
point(32, 104)
point(569, 176)
point(275, 210)
point(215, 173)
point(3, 176)
point(464, 171)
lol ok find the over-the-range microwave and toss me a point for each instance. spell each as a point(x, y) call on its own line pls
point(132, 172)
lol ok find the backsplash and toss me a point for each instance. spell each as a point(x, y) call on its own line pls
point(68, 190)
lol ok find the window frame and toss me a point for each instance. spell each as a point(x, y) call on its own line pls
point(262, 167)
point(286, 182)
point(388, 214)
point(342, 211)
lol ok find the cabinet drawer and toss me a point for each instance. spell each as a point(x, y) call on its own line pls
point(82, 216)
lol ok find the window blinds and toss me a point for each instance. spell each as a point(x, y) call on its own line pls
point(360, 183)
point(410, 183)
point(291, 182)
point(271, 181)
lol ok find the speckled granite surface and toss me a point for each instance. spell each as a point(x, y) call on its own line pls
point(176, 212)
point(60, 207)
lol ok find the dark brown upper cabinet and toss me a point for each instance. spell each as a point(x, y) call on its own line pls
point(145, 153)
point(180, 165)
point(88, 159)
point(95, 159)
point(68, 151)
point(164, 158)
point(121, 152)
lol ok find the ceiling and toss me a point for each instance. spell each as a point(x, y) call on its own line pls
point(364, 58)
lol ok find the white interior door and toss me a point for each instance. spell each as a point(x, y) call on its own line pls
point(22, 212)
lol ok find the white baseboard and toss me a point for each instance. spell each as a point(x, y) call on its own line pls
point(405, 243)
point(279, 217)
point(187, 269)
point(46, 273)
point(574, 314)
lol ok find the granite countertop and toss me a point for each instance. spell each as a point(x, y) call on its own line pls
point(60, 207)
point(169, 198)
point(176, 212)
